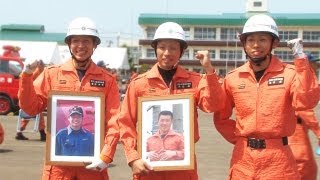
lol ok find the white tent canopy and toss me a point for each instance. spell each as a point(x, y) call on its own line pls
point(48, 52)
point(115, 57)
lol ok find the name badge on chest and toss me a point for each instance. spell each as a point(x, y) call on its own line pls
point(97, 83)
point(184, 85)
point(275, 81)
point(62, 82)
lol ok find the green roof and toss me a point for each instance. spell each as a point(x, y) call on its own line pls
point(230, 19)
point(32, 36)
point(22, 27)
point(23, 32)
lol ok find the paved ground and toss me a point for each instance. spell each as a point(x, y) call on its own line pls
point(24, 159)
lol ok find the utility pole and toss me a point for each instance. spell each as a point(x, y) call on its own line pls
point(118, 39)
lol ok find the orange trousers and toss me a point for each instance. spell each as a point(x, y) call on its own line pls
point(170, 175)
point(72, 172)
point(276, 161)
point(302, 150)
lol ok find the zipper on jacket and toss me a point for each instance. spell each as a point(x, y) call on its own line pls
point(257, 96)
point(171, 88)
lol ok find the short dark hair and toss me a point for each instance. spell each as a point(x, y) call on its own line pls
point(165, 113)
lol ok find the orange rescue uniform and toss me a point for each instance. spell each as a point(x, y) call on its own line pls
point(265, 110)
point(171, 141)
point(208, 96)
point(34, 98)
point(25, 122)
point(301, 146)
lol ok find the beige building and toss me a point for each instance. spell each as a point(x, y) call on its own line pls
point(219, 34)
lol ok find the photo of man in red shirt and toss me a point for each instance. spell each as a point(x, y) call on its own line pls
point(165, 144)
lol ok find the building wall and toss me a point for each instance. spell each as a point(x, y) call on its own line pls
point(227, 49)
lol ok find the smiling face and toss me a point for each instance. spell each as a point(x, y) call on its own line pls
point(82, 47)
point(75, 121)
point(165, 122)
point(168, 53)
point(258, 45)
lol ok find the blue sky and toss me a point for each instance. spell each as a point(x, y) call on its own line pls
point(121, 16)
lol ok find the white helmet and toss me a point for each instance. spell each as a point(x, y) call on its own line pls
point(170, 30)
point(260, 23)
point(82, 26)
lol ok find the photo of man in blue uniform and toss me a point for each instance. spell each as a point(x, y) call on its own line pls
point(75, 140)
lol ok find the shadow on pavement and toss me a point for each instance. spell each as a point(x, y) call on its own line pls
point(5, 150)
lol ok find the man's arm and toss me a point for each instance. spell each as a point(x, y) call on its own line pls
point(210, 95)
point(309, 118)
point(112, 110)
point(58, 145)
point(305, 89)
point(224, 125)
point(128, 134)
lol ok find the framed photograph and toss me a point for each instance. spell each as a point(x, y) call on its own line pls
point(75, 127)
point(166, 131)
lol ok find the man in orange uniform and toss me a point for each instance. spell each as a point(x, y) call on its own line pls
point(265, 93)
point(165, 144)
point(300, 141)
point(80, 74)
point(24, 122)
point(166, 77)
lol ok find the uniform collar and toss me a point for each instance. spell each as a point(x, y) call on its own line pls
point(68, 66)
point(71, 130)
point(171, 132)
point(154, 72)
point(275, 66)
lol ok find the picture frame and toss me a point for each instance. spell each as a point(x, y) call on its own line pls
point(152, 112)
point(63, 113)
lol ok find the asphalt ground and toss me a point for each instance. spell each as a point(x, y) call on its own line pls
point(23, 160)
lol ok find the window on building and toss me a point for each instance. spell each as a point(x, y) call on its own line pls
point(311, 36)
point(257, 4)
point(150, 32)
point(204, 33)
point(198, 70)
point(231, 54)
point(187, 32)
point(151, 53)
point(313, 53)
point(230, 33)
point(212, 54)
point(285, 56)
point(288, 35)
point(186, 55)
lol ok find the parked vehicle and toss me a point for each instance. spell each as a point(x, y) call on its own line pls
point(11, 65)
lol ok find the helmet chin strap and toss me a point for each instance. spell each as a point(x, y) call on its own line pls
point(80, 62)
point(175, 65)
point(84, 64)
point(257, 61)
